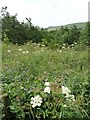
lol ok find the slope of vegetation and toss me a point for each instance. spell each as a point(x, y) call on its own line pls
point(79, 25)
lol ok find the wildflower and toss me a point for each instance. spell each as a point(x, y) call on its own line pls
point(20, 50)
point(43, 45)
point(47, 89)
point(9, 51)
point(75, 43)
point(63, 47)
point(23, 52)
point(72, 97)
point(68, 96)
point(63, 44)
point(65, 90)
point(60, 51)
point(36, 101)
point(72, 45)
point(34, 43)
point(64, 105)
point(21, 87)
point(47, 83)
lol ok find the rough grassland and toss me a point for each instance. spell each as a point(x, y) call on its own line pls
point(23, 65)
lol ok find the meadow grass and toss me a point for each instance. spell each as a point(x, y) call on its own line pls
point(25, 66)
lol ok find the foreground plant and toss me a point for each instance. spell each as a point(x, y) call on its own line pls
point(36, 101)
point(49, 100)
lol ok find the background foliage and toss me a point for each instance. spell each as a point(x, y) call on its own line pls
point(21, 32)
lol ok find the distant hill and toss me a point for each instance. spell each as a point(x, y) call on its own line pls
point(79, 25)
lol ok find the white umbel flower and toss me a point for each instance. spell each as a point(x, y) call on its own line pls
point(36, 101)
point(47, 84)
point(20, 50)
point(71, 97)
point(9, 51)
point(64, 105)
point(47, 89)
point(65, 90)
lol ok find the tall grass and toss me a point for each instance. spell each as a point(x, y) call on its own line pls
point(28, 66)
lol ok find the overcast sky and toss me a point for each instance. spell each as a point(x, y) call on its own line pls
point(45, 13)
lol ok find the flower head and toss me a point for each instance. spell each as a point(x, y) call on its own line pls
point(23, 52)
point(9, 51)
point(47, 83)
point(71, 97)
point(65, 90)
point(63, 47)
point(64, 105)
point(63, 44)
point(20, 50)
point(47, 89)
point(36, 101)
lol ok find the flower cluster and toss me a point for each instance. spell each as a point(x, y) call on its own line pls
point(67, 92)
point(47, 84)
point(20, 50)
point(70, 97)
point(59, 51)
point(47, 88)
point(36, 101)
point(24, 52)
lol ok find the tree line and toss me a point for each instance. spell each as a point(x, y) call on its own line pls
point(18, 32)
